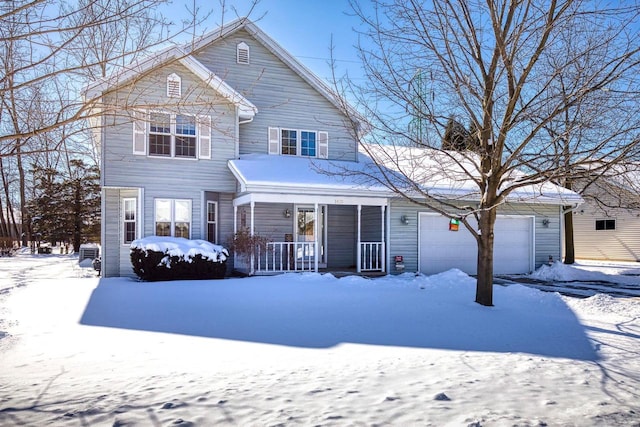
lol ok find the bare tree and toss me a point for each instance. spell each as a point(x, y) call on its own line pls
point(515, 70)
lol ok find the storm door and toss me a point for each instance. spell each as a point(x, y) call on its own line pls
point(305, 234)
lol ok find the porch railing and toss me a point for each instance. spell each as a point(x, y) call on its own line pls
point(372, 256)
point(286, 256)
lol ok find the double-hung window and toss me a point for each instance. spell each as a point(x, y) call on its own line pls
point(212, 222)
point(173, 217)
point(297, 142)
point(161, 134)
point(172, 135)
point(129, 220)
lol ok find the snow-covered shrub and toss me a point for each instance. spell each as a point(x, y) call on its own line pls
point(175, 258)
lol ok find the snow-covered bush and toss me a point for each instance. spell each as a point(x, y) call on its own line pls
point(175, 258)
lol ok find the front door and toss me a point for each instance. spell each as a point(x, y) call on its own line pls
point(305, 233)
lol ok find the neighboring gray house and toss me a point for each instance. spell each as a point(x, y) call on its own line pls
point(235, 133)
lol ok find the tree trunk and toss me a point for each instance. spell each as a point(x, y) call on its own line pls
point(484, 286)
point(25, 218)
point(569, 248)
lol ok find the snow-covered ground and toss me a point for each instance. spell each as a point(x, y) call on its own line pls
point(310, 349)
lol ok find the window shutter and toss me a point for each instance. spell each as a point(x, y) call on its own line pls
point(323, 145)
point(274, 141)
point(204, 137)
point(140, 133)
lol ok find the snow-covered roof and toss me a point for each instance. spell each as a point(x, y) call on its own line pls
point(293, 174)
point(411, 170)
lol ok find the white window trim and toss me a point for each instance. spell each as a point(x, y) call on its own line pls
point(275, 144)
point(173, 214)
point(207, 222)
point(203, 139)
point(125, 221)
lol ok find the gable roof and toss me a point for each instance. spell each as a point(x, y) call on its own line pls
point(172, 54)
point(183, 55)
point(274, 47)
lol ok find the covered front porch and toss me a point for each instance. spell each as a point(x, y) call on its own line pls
point(312, 232)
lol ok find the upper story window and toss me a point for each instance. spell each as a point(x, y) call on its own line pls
point(161, 134)
point(605, 224)
point(296, 142)
point(242, 53)
point(172, 135)
point(174, 86)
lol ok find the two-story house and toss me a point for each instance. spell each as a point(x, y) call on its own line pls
point(232, 133)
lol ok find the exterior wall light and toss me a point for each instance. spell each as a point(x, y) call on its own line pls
point(404, 219)
point(545, 223)
point(287, 213)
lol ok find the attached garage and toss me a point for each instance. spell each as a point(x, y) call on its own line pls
point(440, 249)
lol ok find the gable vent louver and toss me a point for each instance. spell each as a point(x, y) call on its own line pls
point(174, 86)
point(242, 53)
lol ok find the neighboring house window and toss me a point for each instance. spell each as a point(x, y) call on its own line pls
point(173, 217)
point(212, 222)
point(172, 135)
point(129, 219)
point(174, 86)
point(605, 224)
point(242, 53)
point(295, 142)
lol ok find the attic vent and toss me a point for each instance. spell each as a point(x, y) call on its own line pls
point(242, 53)
point(174, 86)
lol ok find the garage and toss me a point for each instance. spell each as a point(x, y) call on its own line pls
point(440, 249)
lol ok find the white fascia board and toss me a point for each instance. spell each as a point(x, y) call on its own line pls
point(246, 108)
point(282, 54)
point(298, 198)
point(238, 176)
point(95, 89)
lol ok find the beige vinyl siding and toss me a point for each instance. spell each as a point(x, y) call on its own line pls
point(621, 244)
point(404, 237)
point(283, 98)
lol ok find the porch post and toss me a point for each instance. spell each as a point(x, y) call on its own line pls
point(358, 245)
point(235, 220)
point(251, 232)
point(383, 251)
point(315, 236)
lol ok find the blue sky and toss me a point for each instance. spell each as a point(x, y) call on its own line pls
point(303, 27)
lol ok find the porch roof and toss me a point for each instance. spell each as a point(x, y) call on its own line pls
point(412, 170)
point(320, 179)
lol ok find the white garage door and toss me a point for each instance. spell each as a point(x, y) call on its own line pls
point(441, 249)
